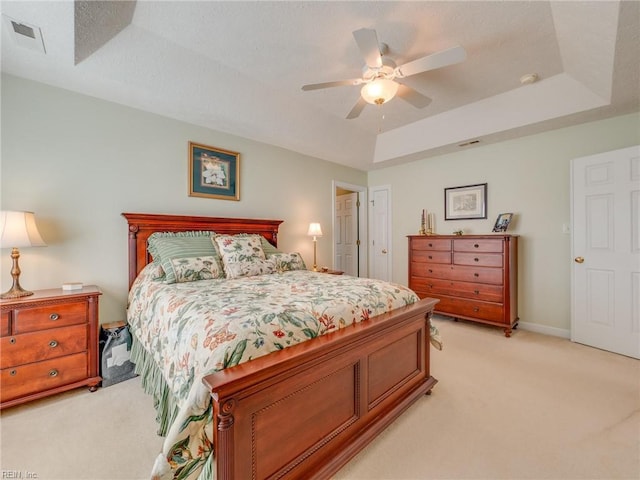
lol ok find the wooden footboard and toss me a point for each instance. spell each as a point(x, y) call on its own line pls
point(305, 411)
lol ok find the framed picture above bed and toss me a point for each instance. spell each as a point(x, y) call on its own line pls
point(466, 202)
point(213, 172)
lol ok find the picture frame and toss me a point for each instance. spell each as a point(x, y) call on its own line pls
point(466, 202)
point(502, 222)
point(213, 172)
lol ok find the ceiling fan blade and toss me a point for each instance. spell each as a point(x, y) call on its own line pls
point(367, 41)
point(357, 109)
point(431, 62)
point(339, 83)
point(412, 96)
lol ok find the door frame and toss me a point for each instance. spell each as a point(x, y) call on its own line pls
point(363, 266)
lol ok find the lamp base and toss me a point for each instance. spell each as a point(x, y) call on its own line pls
point(16, 291)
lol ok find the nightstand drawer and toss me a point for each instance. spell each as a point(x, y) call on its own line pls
point(36, 377)
point(50, 316)
point(36, 346)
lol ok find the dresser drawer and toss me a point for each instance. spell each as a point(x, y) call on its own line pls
point(493, 312)
point(36, 377)
point(431, 256)
point(428, 243)
point(481, 259)
point(492, 245)
point(4, 324)
point(44, 345)
point(50, 316)
point(457, 273)
point(475, 291)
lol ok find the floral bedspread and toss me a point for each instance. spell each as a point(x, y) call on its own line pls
point(195, 328)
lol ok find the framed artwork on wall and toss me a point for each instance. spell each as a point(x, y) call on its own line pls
point(502, 222)
point(213, 172)
point(466, 202)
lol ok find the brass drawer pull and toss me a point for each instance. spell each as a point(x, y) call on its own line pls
point(53, 343)
point(12, 340)
point(476, 259)
point(430, 257)
point(53, 373)
point(431, 244)
point(13, 373)
point(54, 316)
point(430, 271)
point(476, 309)
point(477, 292)
point(476, 245)
point(476, 274)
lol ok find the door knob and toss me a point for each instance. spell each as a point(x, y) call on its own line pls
point(384, 250)
point(579, 260)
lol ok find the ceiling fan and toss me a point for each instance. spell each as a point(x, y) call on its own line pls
point(380, 73)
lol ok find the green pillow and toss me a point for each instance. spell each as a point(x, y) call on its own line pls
point(166, 247)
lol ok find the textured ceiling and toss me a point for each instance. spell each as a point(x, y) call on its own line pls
point(238, 67)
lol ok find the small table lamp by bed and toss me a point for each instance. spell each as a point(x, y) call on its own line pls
point(18, 229)
point(314, 231)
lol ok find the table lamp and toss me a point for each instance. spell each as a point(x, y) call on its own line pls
point(314, 231)
point(18, 229)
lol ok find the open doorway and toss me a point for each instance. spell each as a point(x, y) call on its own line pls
point(350, 228)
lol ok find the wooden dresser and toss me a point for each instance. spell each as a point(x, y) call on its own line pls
point(473, 276)
point(49, 344)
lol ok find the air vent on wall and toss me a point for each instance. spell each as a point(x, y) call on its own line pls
point(24, 34)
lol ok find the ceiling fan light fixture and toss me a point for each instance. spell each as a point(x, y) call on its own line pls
point(379, 91)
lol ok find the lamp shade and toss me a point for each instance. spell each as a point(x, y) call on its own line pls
point(314, 230)
point(379, 91)
point(18, 229)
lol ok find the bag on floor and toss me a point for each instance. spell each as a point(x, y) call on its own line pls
point(115, 354)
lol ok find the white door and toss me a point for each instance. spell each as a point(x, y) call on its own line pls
point(380, 221)
point(605, 310)
point(346, 235)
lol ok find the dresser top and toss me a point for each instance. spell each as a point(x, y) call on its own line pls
point(485, 235)
point(50, 293)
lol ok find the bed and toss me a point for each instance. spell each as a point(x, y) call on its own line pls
point(302, 411)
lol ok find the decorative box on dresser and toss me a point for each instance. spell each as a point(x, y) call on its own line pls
point(49, 344)
point(473, 276)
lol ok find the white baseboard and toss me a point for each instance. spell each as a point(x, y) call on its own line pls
point(546, 330)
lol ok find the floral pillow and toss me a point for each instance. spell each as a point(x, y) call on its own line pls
point(242, 255)
point(191, 269)
point(285, 262)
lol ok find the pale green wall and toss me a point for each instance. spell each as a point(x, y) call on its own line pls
point(528, 176)
point(79, 162)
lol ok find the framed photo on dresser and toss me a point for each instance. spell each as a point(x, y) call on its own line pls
point(502, 222)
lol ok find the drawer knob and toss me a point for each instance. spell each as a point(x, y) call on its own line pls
point(13, 373)
point(430, 286)
point(476, 274)
point(477, 292)
point(476, 309)
point(54, 316)
point(431, 244)
point(476, 259)
point(53, 373)
point(430, 271)
point(476, 245)
point(53, 343)
point(12, 340)
point(430, 257)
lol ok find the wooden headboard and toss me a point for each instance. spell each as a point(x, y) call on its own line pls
point(142, 225)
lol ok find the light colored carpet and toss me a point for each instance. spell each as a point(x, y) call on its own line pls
point(528, 407)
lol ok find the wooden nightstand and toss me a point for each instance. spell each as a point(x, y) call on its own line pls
point(48, 344)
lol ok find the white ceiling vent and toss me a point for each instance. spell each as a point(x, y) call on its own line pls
point(24, 34)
